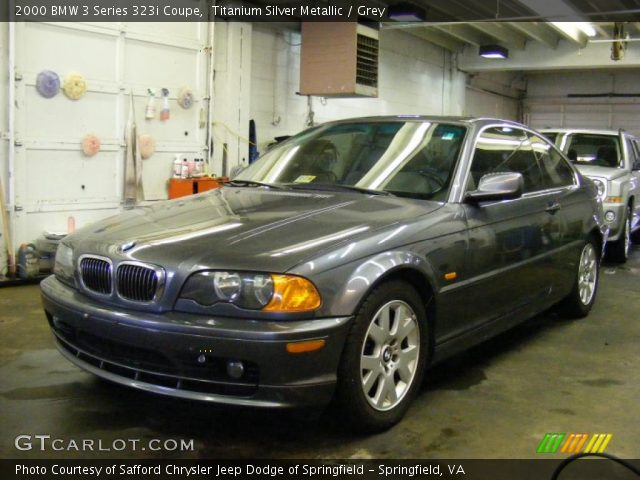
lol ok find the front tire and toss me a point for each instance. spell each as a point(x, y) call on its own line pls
point(384, 358)
point(579, 302)
point(619, 250)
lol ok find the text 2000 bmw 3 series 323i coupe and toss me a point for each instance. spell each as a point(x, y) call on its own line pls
point(337, 267)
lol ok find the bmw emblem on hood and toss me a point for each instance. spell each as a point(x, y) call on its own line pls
point(126, 246)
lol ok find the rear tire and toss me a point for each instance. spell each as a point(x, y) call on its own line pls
point(383, 362)
point(618, 251)
point(579, 302)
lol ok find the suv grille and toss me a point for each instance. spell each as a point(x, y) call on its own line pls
point(96, 274)
point(137, 283)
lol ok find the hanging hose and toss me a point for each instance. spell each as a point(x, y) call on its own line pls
point(613, 458)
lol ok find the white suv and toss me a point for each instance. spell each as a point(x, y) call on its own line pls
point(612, 160)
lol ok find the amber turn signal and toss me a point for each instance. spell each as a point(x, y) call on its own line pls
point(292, 294)
point(306, 346)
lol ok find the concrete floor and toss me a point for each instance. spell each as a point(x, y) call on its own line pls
point(495, 401)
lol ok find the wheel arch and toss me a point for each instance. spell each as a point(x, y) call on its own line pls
point(596, 233)
point(422, 284)
point(416, 278)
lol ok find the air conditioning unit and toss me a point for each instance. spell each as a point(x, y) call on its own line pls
point(339, 59)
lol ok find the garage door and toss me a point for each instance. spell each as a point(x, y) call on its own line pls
point(609, 114)
point(53, 179)
point(486, 104)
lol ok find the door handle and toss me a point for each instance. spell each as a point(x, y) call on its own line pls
point(553, 208)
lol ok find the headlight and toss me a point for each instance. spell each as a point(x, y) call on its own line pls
point(254, 291)
point(601, 186)
point(63, 267)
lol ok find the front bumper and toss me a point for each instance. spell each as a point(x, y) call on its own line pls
point(616, 226)
point(186, 355)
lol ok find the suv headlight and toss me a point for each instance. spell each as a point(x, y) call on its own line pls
point(63, 267)
point(601, 186)
point(255, 291)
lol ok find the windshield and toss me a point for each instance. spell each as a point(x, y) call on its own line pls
point(593, 149)
point(413, 159)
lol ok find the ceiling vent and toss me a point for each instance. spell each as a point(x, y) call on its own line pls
point(339, 59)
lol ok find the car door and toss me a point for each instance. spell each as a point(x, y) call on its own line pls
point(510, 254)
point(567, 211)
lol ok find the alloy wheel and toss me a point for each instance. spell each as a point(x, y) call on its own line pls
point(390, 355)
point(587, 274)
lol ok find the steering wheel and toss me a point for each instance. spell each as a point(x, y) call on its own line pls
point(326, 157)
point(433, 177)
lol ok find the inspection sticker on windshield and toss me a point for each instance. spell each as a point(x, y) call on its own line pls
point(305, 179)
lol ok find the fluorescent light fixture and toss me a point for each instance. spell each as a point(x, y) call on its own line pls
point(587, 28)
point(493, 51)
point(575, 28)
point(407, 12)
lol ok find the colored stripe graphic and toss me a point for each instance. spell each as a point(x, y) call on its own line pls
point(574, 443)
point(598, 443)
point(550, 443)
point(581, 443)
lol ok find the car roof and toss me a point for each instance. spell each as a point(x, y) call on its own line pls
point(480, 121)
point(594, 131)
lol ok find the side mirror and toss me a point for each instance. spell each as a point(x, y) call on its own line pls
point(497, 186)
point(636, 166)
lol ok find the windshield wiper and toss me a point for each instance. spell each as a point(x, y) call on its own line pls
point(252, 183)
point(337, 187)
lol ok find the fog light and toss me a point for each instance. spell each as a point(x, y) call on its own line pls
point(235, 369)
point(610, 216)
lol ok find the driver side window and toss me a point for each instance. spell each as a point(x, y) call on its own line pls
point(505, 149)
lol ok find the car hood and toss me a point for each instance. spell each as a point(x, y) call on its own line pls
point(243, 228)
point(601, 172)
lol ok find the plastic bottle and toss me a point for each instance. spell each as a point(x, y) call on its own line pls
point(165, 113)
point(184, 169)
point(150, 111)
point(177, 167)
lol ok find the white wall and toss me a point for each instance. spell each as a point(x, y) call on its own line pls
point(494, 94)
point(4, 146)
point(555, 84)
point(4, 79)
point(547, 103)
point(415, 77)
point(232, 93)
